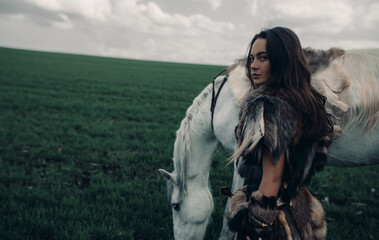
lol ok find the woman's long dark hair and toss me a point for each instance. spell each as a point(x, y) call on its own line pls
point(290, 79)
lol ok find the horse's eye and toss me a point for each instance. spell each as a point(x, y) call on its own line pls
point(175, 206)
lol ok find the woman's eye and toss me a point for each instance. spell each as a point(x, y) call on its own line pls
point(261, 58)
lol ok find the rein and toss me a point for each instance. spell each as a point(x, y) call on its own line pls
point(215, 94)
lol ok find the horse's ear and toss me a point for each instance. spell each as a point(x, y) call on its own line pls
point(168, 176)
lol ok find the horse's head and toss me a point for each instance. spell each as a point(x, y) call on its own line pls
point(191, 207)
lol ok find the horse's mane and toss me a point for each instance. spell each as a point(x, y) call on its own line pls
point(182, 146)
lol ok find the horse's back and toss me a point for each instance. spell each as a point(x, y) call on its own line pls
point(355, 147)
point(359, 143)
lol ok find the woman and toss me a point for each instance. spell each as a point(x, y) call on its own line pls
point(283, 138)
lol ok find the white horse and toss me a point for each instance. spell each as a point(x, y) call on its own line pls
point(351, 83)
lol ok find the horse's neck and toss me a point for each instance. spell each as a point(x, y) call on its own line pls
point(226, 114)
point(195, 142)
point(239, 84)
point(203, 144)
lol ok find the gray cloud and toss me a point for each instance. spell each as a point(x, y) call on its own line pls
point(200, 31)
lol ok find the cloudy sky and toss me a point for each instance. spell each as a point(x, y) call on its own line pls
point(193, 31)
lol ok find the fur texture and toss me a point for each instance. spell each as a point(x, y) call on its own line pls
point(362, 69)
point(305, 219)
point(265, 118)
point(270, 122)
point(319, 59)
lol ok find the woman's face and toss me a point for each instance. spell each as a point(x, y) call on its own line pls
point(260, 65)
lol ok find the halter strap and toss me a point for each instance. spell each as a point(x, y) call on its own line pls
point(216, 95)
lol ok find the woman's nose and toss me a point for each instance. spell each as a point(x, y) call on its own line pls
point(254, 65)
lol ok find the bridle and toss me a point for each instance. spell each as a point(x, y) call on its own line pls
point(215, 94)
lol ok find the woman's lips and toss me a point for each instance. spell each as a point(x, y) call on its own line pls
point(255, 76)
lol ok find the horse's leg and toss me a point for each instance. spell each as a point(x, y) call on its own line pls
point(226, 234)
point(225, 121)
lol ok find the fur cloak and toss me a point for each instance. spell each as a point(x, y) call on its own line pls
point(270, 122)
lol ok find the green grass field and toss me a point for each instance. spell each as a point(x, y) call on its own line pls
point(81, 139)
